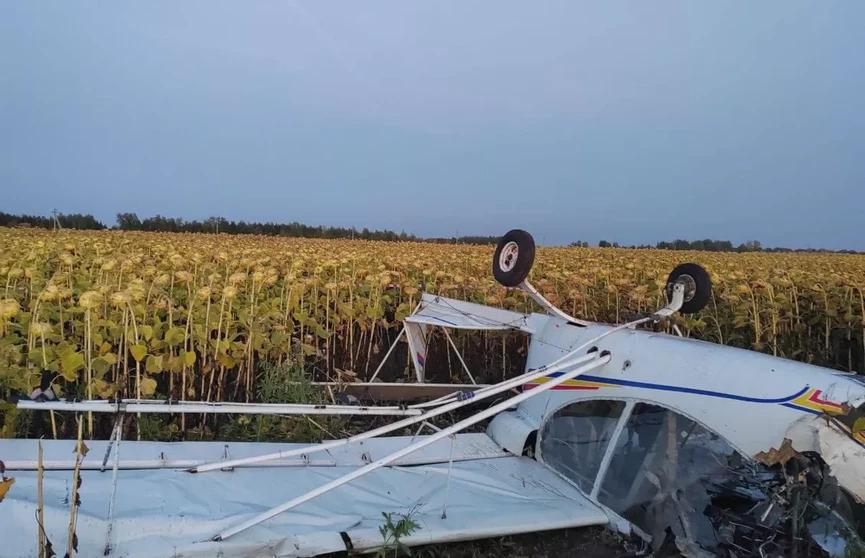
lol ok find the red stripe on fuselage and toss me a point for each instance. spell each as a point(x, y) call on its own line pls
point(530, 386)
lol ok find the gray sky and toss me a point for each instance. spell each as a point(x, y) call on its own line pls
point(630, 121)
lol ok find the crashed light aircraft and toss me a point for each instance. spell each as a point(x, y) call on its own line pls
point(610, 425)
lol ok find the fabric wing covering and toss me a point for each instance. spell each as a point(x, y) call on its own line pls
point(445, 312)
point(168, 512)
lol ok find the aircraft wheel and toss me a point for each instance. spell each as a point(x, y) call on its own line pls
point(514, 257)
point(698, 287)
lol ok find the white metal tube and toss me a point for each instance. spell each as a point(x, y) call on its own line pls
point(459, 356)
point(437, 401)
point(519, 380)
point(111, 441)
point(387, 354)
point(118, 432)
point(474, 396)
point(240, 405)
point(221, 408)
point(547, 305)
point(495, 409)
point(146, 464)
point(448, 485)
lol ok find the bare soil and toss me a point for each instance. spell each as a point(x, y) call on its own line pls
point(586, 542)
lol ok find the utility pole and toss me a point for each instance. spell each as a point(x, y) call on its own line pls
point(55, 213)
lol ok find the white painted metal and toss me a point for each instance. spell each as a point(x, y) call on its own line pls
point(446, 408)
point(448, 484)
point(511, 430)
point(676, 304)
point(601, 361)
point(152, 464)
point(611, 449)
point(548, 307)
point(216, 408)
point(118, 435)
point(728, 390)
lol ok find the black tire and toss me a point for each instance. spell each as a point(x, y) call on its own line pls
point(512, 268)
point(698, 287)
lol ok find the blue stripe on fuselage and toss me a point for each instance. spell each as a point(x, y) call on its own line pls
point(680, 389)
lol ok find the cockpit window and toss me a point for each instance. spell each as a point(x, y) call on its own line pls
point(662, 466)
point(574, 439)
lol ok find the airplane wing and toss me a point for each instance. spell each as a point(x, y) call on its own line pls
point(449, 313)
point(165, 512)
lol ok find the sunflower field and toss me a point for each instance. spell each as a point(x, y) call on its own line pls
point(191, 316)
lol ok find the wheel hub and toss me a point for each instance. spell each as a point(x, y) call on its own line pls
point(690, 286)
point(508, 256)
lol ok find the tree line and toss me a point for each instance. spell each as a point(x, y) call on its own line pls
point(221, 225)
point(709, 245)
point(159, 223)
point(70, 221)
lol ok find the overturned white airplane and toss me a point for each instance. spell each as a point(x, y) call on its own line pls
point(614, 425)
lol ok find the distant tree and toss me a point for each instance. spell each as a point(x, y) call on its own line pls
point(750, 246)
point(128, 222)
point(604, 244)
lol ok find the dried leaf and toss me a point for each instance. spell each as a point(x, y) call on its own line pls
point(81, 448)
point(105, 389)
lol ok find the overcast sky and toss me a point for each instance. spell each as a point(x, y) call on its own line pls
point(628, 121)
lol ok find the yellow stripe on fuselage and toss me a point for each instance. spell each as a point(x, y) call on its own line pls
point(811, 399)
point(575, 383)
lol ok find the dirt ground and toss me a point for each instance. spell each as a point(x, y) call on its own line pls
point(586, 542)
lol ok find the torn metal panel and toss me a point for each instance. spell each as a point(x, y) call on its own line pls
point(779, 456)
point(844, 455)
